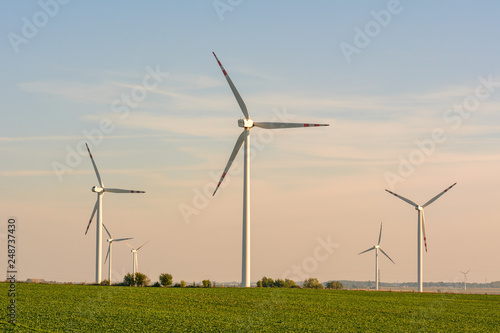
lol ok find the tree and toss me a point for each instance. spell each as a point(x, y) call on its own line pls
point(267, 282)
point(129, 280)
point(312, 283)
point(291, 283)
point(334, 285)
point(279, 283)
point(206, 283)
point(141, 280)
point(165, 279)
point(183, 283)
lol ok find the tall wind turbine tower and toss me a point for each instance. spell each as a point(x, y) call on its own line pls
point(420, 231)
point(465, 278)
point(100, 190)
point(377, 248)
point(247, 124)
point(135, 263)
point(110, 251)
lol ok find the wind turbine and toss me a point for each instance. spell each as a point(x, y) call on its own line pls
point(421, 230)
point(244, 137)
point(376, 248)
point(465, 278)
point(110, 250)
point(98, 208)
point(135, 262)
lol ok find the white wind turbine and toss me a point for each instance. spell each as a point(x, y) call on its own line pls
point(376, 248)
point(421, 230)
point(135, 263)
point(110, 250)
point(465, 278)
point(244, 137)
point(98, 208)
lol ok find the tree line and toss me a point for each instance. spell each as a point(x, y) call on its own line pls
point(166, 280)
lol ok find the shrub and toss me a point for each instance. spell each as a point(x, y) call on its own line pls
point(312, 283)
point(165, 279)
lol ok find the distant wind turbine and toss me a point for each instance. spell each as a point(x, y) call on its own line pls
point(376, 248)
point(110, 250)
point(244, 137)
point(421, 230)
point(135, 263)
point(465, 278)
point(98, 208)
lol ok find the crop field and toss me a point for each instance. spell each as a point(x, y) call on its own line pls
point(84, 308)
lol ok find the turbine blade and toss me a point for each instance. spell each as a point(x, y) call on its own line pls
point(107, 254)
point(386, 255)
point(423, 229)
point(129, 246)
point(380, 234)
point(119, 190)
point(92, 216)
point(236, 94)
point(95, 167)
point(403, 198)
point(107, 231)
point(437, 196)
point(371, 248)
point(121, 239)
point(274, 125)
point(236, 149)
point(142, 245)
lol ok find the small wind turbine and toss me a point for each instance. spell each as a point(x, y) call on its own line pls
point(98, 208)
point(421, 230)
point(376, 248)
point(244, 137)
point(465, 278)
point(110, 250)
point(135, 263)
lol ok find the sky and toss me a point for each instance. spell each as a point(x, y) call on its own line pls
point(411, 91)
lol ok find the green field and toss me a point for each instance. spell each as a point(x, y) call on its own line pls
point(80, 308)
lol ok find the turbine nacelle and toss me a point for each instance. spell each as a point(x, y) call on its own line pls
point(246, 123)
point(420, 208)
point(97, 189)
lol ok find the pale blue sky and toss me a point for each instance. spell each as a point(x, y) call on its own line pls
point(310, 183)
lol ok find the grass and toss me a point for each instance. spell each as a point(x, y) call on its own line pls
point(81, 308)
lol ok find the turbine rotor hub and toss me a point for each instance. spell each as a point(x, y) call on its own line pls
point(97, 189)
point(420, 208)
point(246, 123)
